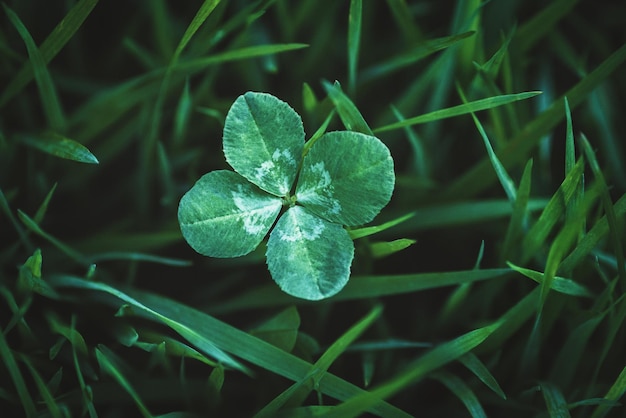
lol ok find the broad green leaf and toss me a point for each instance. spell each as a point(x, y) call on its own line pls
point(223, 215)
point(347, 177)
point(263, 141)
point(307, 256)
point(62, 147)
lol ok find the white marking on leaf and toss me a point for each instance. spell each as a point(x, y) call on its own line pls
point(256, 211)
point(310, 230)
point(262, 171)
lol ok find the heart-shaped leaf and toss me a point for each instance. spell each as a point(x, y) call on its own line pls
point(346, 177)
point(263, 141)
point(223, 215)
point(307, 256)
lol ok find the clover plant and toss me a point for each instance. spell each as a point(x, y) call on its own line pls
point(344, 179)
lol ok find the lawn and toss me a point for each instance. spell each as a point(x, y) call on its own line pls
point(312, 208)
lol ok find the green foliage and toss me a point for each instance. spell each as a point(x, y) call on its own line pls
point(491, 283)
point(345, 178)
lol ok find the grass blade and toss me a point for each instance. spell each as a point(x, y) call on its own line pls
point(555, 402)
point(615, 227)
point(383, 249)
point(473, 363)
point(481, 176)
point(16, 376)
point(434, 359)
point(108, 363)
point(196, 326)
point(475, 106)
point(616, 391)
point(47, 92)
point(354, 41)
point(558, 284)
point(370, 230)
point(61, 147)
point(51, 46)
point(463, 392)
point(348, 112)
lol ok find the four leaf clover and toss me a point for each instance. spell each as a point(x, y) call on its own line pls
point(344, 179)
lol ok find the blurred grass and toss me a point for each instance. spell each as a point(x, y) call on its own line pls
point(107, 312)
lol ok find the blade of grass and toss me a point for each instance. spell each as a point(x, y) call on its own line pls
point(226, 337)
point(421, 51)
point(108, 363)
point(615, 227)
point(50, 47)
point(46, 396)
point(34, 227)
point(370, 230)
point(383, 249)
point(558, 284)
point(555, 402)
point(363, 287)
point(519, 215)
point(481, 176)
point(538, 233)
point(473, 364)
point(16, 376)
point(592, 238)
point(354, 41)
point(47, 92)
point(505, 180)
point(135, 256)
point(320, 368)
point(474, 106)
point(348, 112)
point(434, 359)
point(420, 162)
point(61, 147)
point(461, 391)
point(542, 23)
point(616, 391)
point(4, 205)
point(43, 208)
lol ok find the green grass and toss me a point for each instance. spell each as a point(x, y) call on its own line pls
point(493, 284)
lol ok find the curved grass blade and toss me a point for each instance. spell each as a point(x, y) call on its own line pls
point(614, 225)
point(348, 112)
point(423, 50)
point(46, 396)
point(555, 402)
point(593, 237)
point(463, 392)
point(319, 369)
point(481, 176)
point(135, 256)
point(473, 363)
point(370, 230)
point(16, 376)
point(61, 147)
point(365, 287)
point(47, 92)
point(383, 249)
point(558, 284)
point(474, 106)
point(227, 338)
point(51, 46)
point(519, 214)
point(107, 361)
point(354, 41)
point(616, 391)
point(434, 359)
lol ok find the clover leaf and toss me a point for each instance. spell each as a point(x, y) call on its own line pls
point(344, 179)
